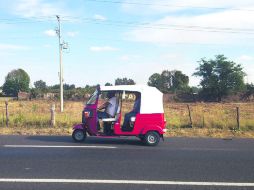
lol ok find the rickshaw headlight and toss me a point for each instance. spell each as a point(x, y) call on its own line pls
point(164, 130)
point(87, 114)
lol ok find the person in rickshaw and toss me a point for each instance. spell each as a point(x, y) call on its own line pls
point(132, 113)
point(109, 107)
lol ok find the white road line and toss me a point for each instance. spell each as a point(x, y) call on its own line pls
point(137, 182)
point(56, 146)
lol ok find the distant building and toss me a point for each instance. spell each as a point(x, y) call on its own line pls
point(87, 95)
point(49, 95)
point(24, 96)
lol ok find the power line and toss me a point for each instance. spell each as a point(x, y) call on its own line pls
point(133, 23)
point(140, 25)
point(21, 22)
point(133, 41)
point(148, 25)
point(167, 5)
point(25, 20)
point(192, 28)
point(37, 19)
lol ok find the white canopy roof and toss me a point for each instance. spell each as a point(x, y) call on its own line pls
point(151, 97)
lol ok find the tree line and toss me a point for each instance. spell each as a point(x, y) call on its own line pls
point(219, 78)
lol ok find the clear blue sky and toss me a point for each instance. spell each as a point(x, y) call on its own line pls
point(128, 38)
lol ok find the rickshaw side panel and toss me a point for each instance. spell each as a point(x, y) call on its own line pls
point(143, 124)
point(149, 122)
point(92, 121)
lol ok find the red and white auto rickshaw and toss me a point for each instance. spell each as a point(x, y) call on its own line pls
point(148, 125)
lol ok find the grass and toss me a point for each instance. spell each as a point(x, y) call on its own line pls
point(208, 119)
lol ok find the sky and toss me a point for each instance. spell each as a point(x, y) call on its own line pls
point(108, 39)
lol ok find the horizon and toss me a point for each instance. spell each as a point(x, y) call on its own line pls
point(129, 38)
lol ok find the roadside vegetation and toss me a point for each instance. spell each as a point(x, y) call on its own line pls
point(208, 119)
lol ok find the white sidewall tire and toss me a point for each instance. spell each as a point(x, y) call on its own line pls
point(79, 135)
point(152, 138)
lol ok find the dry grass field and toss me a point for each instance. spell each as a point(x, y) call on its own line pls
point(208, 119)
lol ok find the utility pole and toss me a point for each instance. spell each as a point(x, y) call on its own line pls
point(58, 32)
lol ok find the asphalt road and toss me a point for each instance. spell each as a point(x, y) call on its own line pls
point(125, 163)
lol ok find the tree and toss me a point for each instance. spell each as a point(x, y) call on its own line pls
point(155, 81)
point(1, 91)
point(40, 84)
point(180, 81)
point(108, 84)
point(69, 86)
point(15, 81)
point(169, 81)
point(90, 89)
point(55, 87)
point(124, 81)
point(249, 91)
point(219, 78)
point(39, 89)
point(166, 81)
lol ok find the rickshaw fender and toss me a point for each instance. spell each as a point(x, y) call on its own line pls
point(152, 128)
point(78, 126)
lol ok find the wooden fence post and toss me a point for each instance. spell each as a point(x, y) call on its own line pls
point(189, 115)
point(7, 113)
point(203, 121)
point(238, 117)
point(53, 119)
point(3, 118)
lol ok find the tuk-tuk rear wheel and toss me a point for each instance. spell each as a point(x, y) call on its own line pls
point(152, 138)
point(79, 135)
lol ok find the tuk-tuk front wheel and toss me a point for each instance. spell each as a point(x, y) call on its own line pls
point(152, 138)
point(79, 135)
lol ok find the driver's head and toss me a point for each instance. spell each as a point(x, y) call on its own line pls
point(110, 95)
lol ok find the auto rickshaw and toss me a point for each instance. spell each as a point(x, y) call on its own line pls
point(148, 125)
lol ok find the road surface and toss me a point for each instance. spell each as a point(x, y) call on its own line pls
point(56, 162)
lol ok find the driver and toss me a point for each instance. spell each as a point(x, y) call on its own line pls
point(109, 107)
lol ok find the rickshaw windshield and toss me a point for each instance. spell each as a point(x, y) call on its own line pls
point(93, 98)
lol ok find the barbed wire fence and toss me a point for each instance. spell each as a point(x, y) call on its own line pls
point(207, 115)
point(182, 115)
point(26, 113)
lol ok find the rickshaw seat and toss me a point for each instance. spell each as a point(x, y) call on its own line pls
point(133, 119)
point(109, 119)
